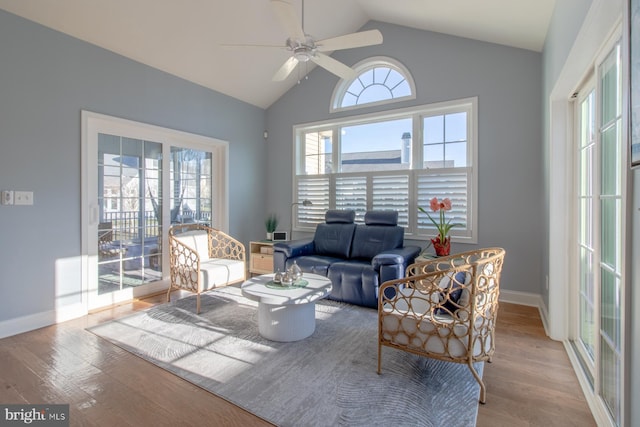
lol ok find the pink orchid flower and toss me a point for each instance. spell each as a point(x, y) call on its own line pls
point(443, 226)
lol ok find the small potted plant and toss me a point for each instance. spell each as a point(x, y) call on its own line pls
point(442, 242)
point(271, 223)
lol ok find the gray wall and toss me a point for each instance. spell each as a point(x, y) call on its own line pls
point(567, 19)
point(507, 82)
point(46, 79)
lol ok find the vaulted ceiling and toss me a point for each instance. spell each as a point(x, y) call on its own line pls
point(184, 37)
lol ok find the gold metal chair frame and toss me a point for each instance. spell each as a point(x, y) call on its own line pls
point(418, 314)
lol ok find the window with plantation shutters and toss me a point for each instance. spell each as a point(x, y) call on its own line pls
point(396, 160)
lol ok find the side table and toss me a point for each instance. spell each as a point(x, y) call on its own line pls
point(261, 257)
point(286, 314)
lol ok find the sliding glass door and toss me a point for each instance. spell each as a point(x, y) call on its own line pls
point(129, 243)
point(599, 295)
point(138, 180)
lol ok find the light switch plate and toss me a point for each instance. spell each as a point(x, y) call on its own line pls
point(23, 197)
point(6, 197)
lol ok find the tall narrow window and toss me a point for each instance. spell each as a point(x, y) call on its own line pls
point(598, 335)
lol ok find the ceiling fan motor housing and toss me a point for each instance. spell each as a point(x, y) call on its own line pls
point(302, 51)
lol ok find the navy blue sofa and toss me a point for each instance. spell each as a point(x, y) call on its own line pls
point(357, 258)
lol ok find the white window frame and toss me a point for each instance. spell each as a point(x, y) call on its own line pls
point(307, 217)
point(362, 67)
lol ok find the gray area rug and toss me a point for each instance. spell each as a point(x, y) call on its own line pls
point(327, 379)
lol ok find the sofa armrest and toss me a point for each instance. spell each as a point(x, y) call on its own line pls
point(282, 251)
point(401, 256)
point(294, 248)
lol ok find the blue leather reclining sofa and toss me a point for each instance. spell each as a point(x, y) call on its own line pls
point(357, 258)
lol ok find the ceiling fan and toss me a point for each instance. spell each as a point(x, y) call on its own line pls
point(304, 47)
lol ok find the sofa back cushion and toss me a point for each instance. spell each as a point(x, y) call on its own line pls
point(334, 237)
point(379, 233)
point(370, 240)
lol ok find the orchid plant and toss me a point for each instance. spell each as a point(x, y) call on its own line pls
point(443, 226)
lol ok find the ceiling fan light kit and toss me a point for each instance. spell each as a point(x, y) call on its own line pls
point(303, 52)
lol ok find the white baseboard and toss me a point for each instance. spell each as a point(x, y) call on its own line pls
point(40, 320)
point(544, 315)
point(522, 298)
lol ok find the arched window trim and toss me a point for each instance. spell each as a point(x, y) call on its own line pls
point(362, 67)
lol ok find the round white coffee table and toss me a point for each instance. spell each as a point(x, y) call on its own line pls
point(285, 313)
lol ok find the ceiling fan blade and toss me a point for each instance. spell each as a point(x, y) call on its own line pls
point(348, 41)
point(336, 67)
point(288, 19)
point(285, 70)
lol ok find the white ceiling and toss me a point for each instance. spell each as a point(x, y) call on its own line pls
point(183, 37)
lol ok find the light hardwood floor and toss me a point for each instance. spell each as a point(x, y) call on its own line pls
point(529, 383)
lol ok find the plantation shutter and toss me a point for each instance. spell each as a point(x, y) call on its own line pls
point(351, 193)
point(391, 192)
point(454, 184)
point(315, 189)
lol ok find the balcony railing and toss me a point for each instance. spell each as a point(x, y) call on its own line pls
point(127, 225)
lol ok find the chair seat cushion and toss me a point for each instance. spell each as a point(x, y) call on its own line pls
point(411, 322)
point(219, 272)
point(438, 334)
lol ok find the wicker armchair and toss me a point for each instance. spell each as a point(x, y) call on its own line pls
point(444, 309)
point(203, 258)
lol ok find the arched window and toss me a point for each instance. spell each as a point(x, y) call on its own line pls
point(380, 80)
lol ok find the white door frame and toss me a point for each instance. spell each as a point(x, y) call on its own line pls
point(94, 123)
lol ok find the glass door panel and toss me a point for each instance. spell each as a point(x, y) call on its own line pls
point(586, 304)
point(610, 265)
point(130, 221)
point(190, 186)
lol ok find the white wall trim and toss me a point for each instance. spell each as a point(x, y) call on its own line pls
point(31, 322)
point(522, 298)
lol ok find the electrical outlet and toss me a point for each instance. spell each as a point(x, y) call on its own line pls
point(23, 197)
point(6, 197)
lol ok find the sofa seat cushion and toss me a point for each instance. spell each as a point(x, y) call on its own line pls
point(220, 272)
point(313, 263)
point(355, 282)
